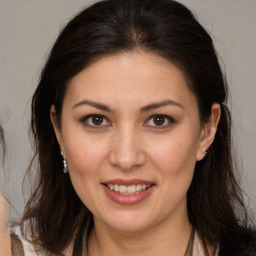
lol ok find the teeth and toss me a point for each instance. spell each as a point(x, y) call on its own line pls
point(138, 187)
point(116, 187)
point(123, 189)
point(132, 189)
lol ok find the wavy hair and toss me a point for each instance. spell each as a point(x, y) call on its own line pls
point(167, 28)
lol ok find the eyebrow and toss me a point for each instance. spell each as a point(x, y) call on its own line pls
point(161, 104)
point(142, 110)
point(93, 104)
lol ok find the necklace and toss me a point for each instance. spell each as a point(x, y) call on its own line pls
point(189, 251)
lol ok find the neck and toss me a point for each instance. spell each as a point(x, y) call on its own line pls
point(167, 238)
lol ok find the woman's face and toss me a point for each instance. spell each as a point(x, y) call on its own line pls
point(131, 136)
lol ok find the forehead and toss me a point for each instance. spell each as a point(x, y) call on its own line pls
point(134, 76)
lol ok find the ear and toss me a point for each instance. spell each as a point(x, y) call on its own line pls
point(208, 131)
point(56, 127)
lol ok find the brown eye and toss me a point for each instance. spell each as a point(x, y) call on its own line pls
point(97, 120)
point(159, 120)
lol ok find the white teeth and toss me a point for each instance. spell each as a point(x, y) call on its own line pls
point(138, 187)
point(116, 187)
point(132, 189)
point(123, 189)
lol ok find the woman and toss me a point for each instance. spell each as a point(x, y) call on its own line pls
point(133, 139)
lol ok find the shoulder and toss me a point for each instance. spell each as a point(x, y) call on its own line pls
point(20, 244)
point(23, 245)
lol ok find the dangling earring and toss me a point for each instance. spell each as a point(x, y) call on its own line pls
point(65, 165)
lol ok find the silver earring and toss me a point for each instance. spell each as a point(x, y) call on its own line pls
point(65, 165)
point(205, 152)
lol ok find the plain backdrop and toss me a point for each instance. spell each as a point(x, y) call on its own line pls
point(28, 29)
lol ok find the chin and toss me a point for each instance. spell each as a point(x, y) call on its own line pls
point(130, 222)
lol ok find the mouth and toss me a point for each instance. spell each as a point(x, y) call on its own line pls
point(128, 189)
point(128, 192)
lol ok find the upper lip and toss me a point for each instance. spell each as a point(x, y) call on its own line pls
point(128, 182)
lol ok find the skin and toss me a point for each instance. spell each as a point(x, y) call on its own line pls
point(5, 242)
point(128, 143)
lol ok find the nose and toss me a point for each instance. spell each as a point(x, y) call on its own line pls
point(127, 149)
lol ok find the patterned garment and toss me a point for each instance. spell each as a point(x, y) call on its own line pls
point(16, 245)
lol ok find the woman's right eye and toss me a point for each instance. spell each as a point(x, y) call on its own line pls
point(95, 121)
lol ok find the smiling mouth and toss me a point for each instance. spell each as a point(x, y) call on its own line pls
point(128, 190)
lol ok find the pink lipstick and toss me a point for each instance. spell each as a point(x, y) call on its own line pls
point(128, 191)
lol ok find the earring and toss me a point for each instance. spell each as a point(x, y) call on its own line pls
point(65, 169)
point(205, 152)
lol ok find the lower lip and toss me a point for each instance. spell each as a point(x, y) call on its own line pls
point(128, 198)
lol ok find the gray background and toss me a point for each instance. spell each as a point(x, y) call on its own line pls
point(28, 28)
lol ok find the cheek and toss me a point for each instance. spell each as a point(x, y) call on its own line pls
point(84, 155)
point(85, 158)
point(174, 155)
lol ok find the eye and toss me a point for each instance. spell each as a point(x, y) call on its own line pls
point(159, 121)
point(95, 121)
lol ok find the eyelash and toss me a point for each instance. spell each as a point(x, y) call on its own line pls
point(166, 118)
point(86, 122)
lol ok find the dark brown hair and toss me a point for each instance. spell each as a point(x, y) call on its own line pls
point(168, 29)
point(2, 144)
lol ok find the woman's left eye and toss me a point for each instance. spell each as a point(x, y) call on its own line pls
point(95, 121)
point(159, 121)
